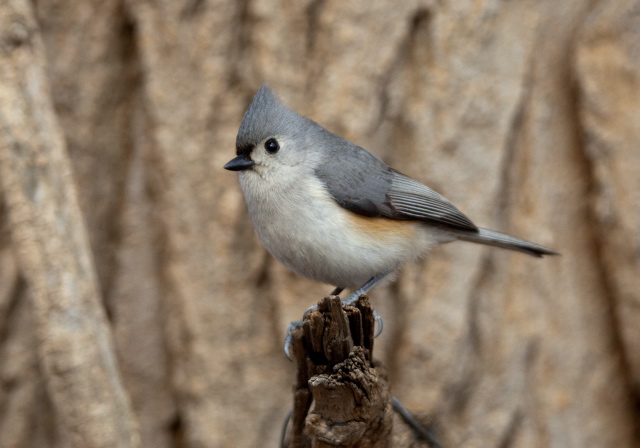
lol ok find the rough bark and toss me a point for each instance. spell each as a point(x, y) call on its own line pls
point(93, 68)
point(523, 113)
point(348, 392)
point(50, 242)
point(342, 395)
point(608, 79)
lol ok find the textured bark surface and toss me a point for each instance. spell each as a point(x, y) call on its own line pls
point(48, 237)
point(341, 395)
point(525, 114)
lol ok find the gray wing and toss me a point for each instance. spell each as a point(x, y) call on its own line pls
point(364, 184)
point(410, 199)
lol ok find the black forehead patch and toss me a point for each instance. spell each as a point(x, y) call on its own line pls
point(244, 149)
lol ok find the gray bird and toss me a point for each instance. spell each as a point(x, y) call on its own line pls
point(333, 212)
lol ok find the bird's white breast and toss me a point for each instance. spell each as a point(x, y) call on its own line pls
point(301, 225)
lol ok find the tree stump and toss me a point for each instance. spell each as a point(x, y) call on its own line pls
point(342, 395)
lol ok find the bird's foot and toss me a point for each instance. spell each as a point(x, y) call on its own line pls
point(349, 301)
point(287, 340)
point(292, 326)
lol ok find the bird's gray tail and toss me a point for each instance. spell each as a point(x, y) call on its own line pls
point(497, 239)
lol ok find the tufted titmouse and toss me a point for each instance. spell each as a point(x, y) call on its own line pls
point(333, 212)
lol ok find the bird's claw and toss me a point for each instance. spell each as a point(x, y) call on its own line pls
point(287, 340)
point(379, 324)
point(349, 301)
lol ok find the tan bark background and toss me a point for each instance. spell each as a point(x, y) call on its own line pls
point(117, 116)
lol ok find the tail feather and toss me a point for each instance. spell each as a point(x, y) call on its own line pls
point(497, 239)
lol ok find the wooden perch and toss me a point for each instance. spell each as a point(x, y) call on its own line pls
point(341, 395)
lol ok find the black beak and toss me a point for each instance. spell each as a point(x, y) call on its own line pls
point(242, 162)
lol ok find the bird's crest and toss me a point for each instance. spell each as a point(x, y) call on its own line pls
point(266, 116)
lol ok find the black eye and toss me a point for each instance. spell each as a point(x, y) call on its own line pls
point(272, 146)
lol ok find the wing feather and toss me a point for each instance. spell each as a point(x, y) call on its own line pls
point(362, 183)
point(410, 198)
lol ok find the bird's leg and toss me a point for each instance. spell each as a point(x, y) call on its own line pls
point(349, 301)
point(363, 290)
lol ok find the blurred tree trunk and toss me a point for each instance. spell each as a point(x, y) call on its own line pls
point(525, 114)
point(49, 239)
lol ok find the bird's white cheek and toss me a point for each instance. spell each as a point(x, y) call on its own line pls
point(251, 179)
point(248, 184)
